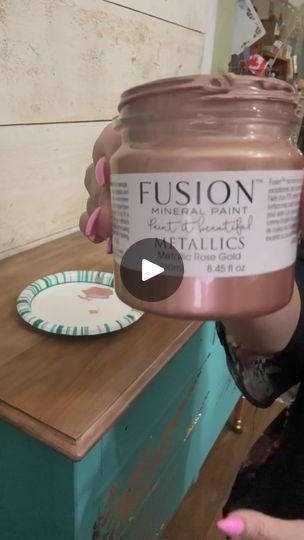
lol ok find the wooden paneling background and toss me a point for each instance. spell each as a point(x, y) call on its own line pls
point(63, 65)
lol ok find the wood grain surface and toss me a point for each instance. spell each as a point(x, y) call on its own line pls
point(67, 392)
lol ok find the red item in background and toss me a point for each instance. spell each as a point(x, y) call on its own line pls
point(257, 65)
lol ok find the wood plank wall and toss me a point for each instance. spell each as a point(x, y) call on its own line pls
point(63, 65)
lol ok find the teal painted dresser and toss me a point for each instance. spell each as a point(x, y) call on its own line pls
point(101, 437)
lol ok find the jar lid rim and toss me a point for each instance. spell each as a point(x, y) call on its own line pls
point(216, 87)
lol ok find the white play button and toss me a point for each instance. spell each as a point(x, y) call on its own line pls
point(144, 271)
point(150, 270)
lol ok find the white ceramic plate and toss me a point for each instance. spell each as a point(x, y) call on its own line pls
point(76, 303)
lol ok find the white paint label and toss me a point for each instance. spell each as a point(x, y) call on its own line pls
point(222, 223)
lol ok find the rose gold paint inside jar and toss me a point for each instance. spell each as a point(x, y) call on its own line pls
point(209, 162)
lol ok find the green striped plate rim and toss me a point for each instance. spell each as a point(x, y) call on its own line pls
point(26, 297)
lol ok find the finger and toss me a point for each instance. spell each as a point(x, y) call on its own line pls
point(89, 178)
point(83, 222)
point(97, 192)
point(249, 525)
point(97, 225)
point(91, 206)
point(102, 172)
point(83, 226)
point(107, 143)
point(104, 227)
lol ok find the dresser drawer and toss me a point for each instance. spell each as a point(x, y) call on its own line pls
point(168, 389)
point(204, 397)
point(182, 471)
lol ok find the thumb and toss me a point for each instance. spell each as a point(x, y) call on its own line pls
point(249, 525)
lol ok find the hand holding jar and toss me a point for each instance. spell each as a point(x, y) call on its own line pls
point(96, 221)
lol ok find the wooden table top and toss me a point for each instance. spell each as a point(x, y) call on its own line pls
point(67, 392)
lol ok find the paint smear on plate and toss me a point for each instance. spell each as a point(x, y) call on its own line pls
point(96, 293)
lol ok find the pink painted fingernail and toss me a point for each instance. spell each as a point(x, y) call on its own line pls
point(90, 231)
point(232, 525)
point(100, 172)
point(109, 246)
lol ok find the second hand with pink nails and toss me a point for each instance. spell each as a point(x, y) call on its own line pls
point(232, 526)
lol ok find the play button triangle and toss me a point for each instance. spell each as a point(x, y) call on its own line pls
point(149, 270)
